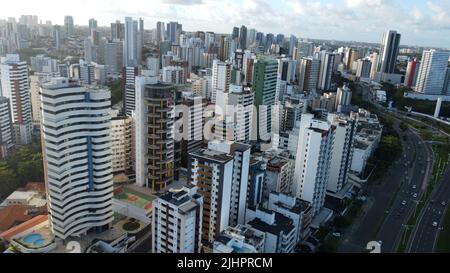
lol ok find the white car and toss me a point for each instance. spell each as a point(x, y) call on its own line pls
point(414, 187)
point(415, 195)
point(404, 202)
point(435, 224)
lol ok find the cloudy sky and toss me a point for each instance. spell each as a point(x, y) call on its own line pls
point(421, 22)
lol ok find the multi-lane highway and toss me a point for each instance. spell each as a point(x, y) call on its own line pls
point(426, 232)
point(406, 183)
point(402, 183)
point(406, 201)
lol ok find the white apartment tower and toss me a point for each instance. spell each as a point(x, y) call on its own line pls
point(432, 72)
point(15, 87)
point(6, 139)
point(309, 74)
point(234, 113)
point(177, 222)
point(342, 151)
point(326, 70)
point(173, 75)
point(129, 93)
point(132, 46)
point(312, 165)
point(239, 186)
point(76, 145)
point(221, 78)
point(212, 172)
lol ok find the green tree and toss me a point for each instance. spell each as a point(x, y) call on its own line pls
point(116, 92)
point(9, 180)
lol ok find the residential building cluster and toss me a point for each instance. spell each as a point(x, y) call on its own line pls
point(221, 143)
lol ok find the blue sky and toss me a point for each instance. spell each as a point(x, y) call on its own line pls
point(421, 22)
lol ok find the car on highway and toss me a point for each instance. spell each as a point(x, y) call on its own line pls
point(435, 224)
point(443, 203)
point(415, 195)
point(403, 202)
point(414, 187)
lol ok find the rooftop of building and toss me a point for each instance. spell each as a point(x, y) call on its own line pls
point(34, 186)
point(136, 196)
point(277, 162)
point(299, 207)
point(11, 216)
point(281, 224)
point(21, 195)
point(360, 145)
point(212, 155)
point(179, 198)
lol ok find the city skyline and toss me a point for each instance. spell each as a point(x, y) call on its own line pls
point(422, 23)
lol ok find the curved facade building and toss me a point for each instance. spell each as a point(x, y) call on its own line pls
point(77, 157)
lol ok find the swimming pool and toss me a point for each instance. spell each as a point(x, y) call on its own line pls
point(34, 239)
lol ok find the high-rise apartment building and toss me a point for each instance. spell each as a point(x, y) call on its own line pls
point(76, 146)
point(177, 222)
point(312, 165)
point(87, 73)
point(212, 172)
point(326, 70)
point(68, 26)
point(35, 88)
point(93, 24)
point(15, 87)
point(221, 78)
point(117, 31)
point(129, 89)
point(389, 52)
point(160, 32)
point(122, 145)
point(309, 74)
point(113, 56)
point(193, 122)
point(342, 151)
point(173, 32)
point(265, 74)
point(239, 185)
point(132, 46)
point(279, 175)
point(343, 98)
point(363, 68)
point(173, 75)
point(412, 71)
point(432, 72)
point(234, 114)
point(6, 134)
point(374, 59)
point(155, 144)
point(243, 38)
